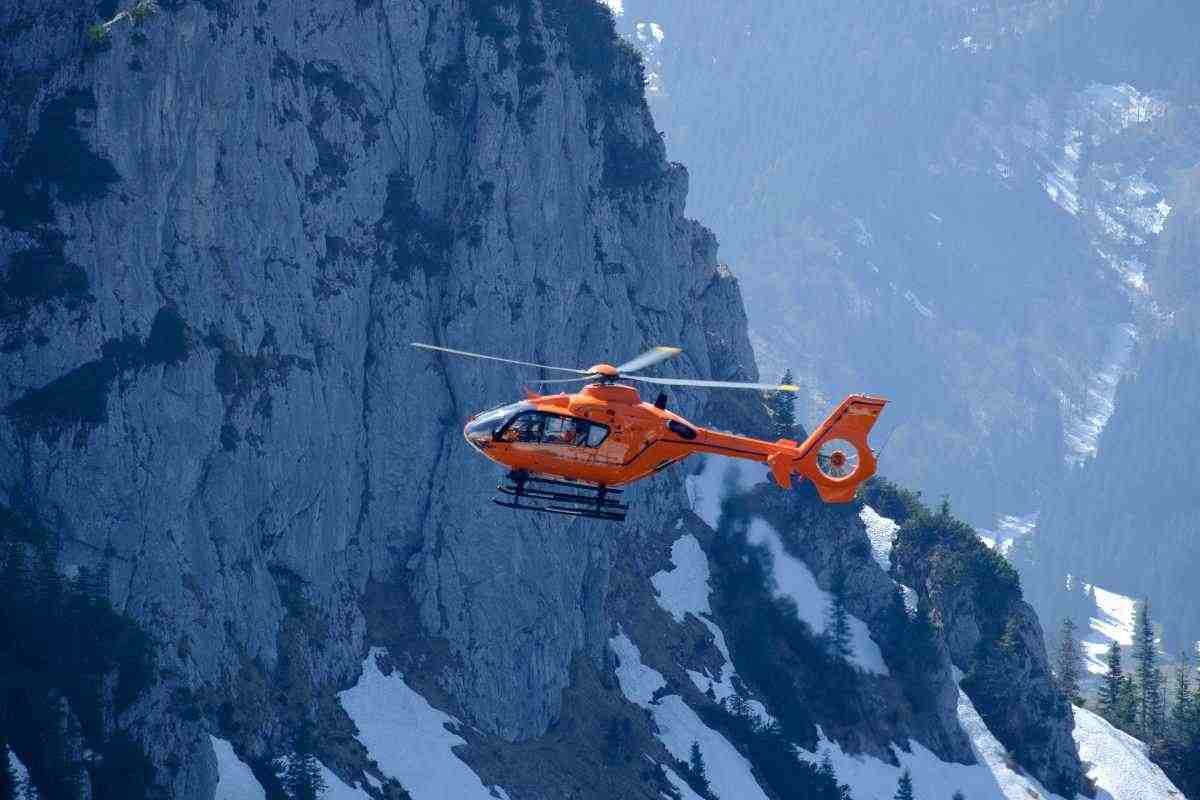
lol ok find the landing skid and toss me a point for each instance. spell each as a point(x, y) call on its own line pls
point(583, 499)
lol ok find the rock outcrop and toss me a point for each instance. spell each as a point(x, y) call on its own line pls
point(222, 229)
point(994, 638)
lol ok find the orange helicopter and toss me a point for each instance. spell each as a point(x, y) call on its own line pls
point(567, 453)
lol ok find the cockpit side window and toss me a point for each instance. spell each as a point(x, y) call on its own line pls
point(597, 433)
point(538, 426)
point(525, 427)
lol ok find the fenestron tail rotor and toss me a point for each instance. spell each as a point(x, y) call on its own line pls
point(837, 458)
point(606, 373)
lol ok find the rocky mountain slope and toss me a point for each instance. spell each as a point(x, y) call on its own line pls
point(222, 227)
point(982, 212)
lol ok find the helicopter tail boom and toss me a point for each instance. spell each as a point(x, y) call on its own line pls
point(837, 456)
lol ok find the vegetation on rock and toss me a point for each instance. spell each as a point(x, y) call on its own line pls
point(71, 665)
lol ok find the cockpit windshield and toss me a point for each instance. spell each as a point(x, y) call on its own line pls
point(483, 428)
point(520, 422)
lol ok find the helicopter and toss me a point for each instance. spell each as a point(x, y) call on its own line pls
point(569, 453)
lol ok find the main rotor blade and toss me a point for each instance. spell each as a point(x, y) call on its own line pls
point(761, 387)
point(495, 358)
point(649, 359)
point(563, 380)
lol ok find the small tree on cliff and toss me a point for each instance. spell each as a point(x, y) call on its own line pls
point(301, 772)
point(1150, 708)
point(782, 407)
point(1068, 662)
point(1183, 707)
point(697, 771)
point(904, 788)
point(837, 627)
point(1110, 690)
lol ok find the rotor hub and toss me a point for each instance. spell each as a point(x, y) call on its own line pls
point(605, 371)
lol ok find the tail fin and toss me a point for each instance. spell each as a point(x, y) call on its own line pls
point(849, 459)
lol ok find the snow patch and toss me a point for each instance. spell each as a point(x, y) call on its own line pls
point(22, 788)
point(1113, 623)
point(1117, 762)
point(650, 31)
point(793, 579)
point(1009, 528)
point(1085, 421)
point(911, 598)
point(706, 488)
point(922, 309)
point(235, 781)
point(335, 789)
point(616, 6)
point(729, 772)
point(685, 791)
point(1121, 106)
point(685, 590)
point(408, 737)
point(989, 779)
point(881, 531)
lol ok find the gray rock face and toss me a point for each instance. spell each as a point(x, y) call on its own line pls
point(828, 538)
point(213, 388)
point(995, 638)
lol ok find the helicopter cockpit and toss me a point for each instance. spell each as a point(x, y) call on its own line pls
point(521, 422)
point(482, 430)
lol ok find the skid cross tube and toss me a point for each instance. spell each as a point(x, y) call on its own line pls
point(586, 500)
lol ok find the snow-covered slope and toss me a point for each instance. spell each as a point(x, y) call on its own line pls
point(880, 530)
point(402, 732)
point(409, 738)
point(1115, 761)
point(679, 726)
point(235, 781)
point(684, 590)
point(794, 580)
point(1118, 763)
point(1113, 622)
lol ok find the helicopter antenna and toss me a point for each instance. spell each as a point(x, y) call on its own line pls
point(888, 438)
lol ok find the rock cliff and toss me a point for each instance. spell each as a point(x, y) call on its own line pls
point(221, 231)
point(221, 228)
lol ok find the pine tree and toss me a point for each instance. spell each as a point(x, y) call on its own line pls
point(1182, 707)
point(1149, 678)
point(782, 408)
point(958, 795)
point(738, 706)
point(1127, 706)
point(1110, 690)
point(301, 778)
point(837, 627)
point(697, 770)
point(1068, 662)
point(904, 788)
